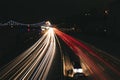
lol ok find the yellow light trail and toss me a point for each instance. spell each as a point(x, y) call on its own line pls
point(35, 62)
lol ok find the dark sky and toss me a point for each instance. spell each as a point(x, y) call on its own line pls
point(35, 9)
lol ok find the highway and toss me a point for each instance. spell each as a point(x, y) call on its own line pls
point(95, 63)
point(34, 63)
point(76, 60)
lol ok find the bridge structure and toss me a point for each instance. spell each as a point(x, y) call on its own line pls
point(15, 23)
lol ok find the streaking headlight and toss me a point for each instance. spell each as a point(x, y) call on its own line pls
point(47, 27)
point(43, 29)
point(80, 70)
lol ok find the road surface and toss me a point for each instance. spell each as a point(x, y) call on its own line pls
point(57, 54)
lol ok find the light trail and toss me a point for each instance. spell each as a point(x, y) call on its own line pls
point(35, 62)
point(99, 67)
point(67, 66)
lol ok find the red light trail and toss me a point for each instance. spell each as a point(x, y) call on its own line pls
point(35, 62)
point(96, 63)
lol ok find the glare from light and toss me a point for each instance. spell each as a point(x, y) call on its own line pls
point(43, 29)
point(80, 70)
point(48, 23)
point(47, 27)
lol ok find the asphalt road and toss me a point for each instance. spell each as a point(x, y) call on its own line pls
point(49, 59)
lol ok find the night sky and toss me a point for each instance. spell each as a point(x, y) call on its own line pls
point(27, 10)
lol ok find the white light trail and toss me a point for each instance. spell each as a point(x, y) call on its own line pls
point(35, 62)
